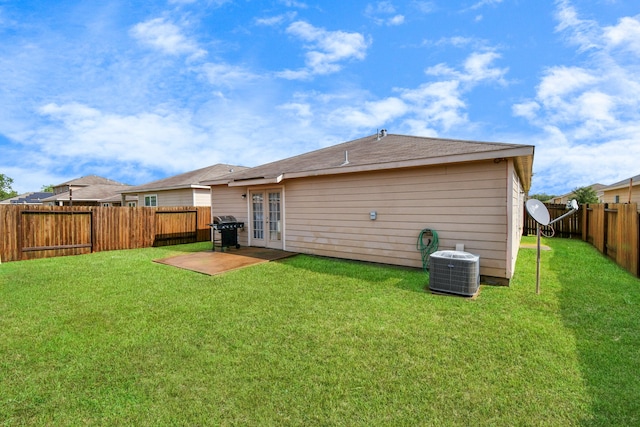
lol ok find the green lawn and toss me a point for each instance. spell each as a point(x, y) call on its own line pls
point(114, 339)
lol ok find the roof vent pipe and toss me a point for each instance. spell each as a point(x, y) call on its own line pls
point(346, 158)
point(382, 134)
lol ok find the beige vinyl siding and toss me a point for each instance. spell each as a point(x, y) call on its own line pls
point(182, 197)
point(623, 193)
point(201, 197)
point(464, 203)
point(229, 201)
point(516, 216)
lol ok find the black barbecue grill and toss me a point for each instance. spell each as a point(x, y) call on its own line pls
point(227, 226)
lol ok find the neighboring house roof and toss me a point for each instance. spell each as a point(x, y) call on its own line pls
point(635, 180)
point(386, 152)
point(117, 198)
point(89, 180)
point(32, 198)
point(190, 179)
point(91, 193)
point(597, 187)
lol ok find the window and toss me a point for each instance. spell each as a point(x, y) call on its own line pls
point(258, 216)
point(616, 199)
point(131, 204)
point(151, 200)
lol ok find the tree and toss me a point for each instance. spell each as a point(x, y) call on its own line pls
point(47, 188)
point(6, 191)
point(542, 197)
point(585, 195)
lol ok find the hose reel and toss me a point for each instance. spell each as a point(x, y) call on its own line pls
point(427, 244)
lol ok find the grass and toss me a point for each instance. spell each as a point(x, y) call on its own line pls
point(112, 338)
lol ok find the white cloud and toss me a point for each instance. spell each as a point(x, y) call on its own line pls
point(325, 49)
point(273, 21)
point(424, 6)
point(165, 36)
point(588, 113)
point(566, 166)
point(270, 21)
point(396, 20)
point(383, 13)
point(476, 68)
point(483, 3)
point(561, 81)
point(527, 109)
point(380, 7)
point(625, 35)
point(438, 105)
point(293, 3)
point(371, 114)
point(297, 109)
point(85, 134)
point(227, 75)
point(584, 33)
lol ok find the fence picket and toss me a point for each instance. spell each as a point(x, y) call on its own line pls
point(28, 231)
point(613, 229)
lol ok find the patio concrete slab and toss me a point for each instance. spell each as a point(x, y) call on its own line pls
point(211, 263)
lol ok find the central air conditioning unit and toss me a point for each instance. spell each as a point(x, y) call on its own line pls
point(454, 272)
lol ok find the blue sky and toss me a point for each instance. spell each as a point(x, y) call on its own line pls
point(136, 91)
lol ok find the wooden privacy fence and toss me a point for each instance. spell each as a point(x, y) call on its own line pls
point(568, 227)
point(613, 229)
point(28, 232)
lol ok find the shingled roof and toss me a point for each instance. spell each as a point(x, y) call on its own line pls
point(378, 153)
point(32, 198)
point(635, 180)
point(190, 179)
point(90, 180)
point(90, 193)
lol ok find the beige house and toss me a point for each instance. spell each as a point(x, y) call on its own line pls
point(368, 200)
point(625, 191)
point(179, 190)
point(91, 190)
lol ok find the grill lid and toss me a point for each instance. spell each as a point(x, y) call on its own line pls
point(224, 219)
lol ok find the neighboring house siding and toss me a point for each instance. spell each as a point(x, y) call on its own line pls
point(623, 195)
point(183, 197)
point(201, 197)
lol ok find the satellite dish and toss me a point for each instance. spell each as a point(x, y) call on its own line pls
point(538, 211)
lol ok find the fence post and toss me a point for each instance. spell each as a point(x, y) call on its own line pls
point(605, 228)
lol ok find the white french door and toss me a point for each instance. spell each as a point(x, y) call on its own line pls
point(266, 218)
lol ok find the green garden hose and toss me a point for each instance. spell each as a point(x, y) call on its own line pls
point(427, 247)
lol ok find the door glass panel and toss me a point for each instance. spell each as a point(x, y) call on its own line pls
point(275, 230)
point(258, 216)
